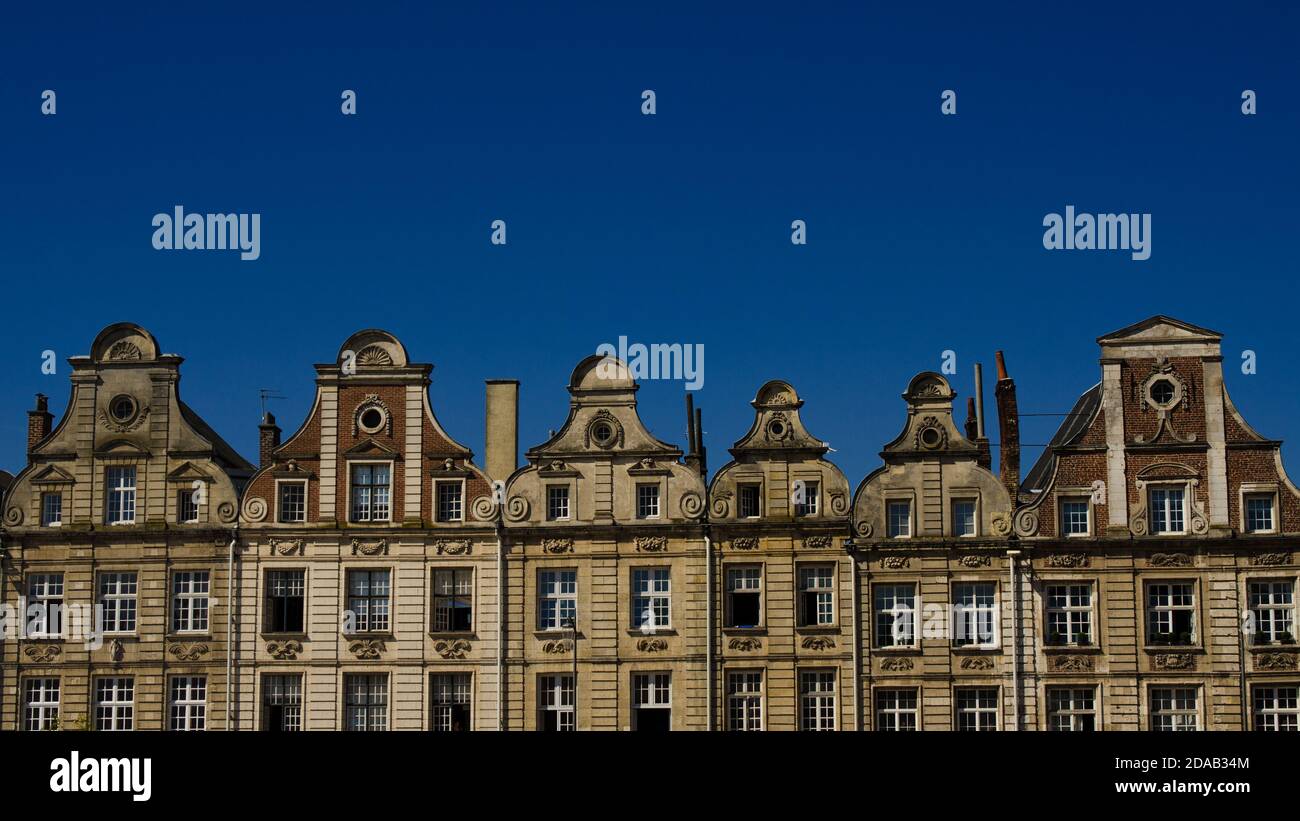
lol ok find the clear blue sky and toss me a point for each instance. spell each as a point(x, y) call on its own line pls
point(925, 231)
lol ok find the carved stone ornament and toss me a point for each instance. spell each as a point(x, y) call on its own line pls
point(453, 547)
point(372, 400)
point(226, 512)
point(14, 516)
point(1169, 560)
point(975, 560)
point(286, 547)
point(374, 355)
point(601, 421)
point(1026, 522)
point(188, 652)
point(895, 562)
point(125, 426)
point(124, 349)
point(692, 505)
point(745, 644)
point(367, 649)
point(282, 650)
point(556, 647)
point(977, 663)
point(517, 508)
point(44, 654)
point(817, 542)
point(1070, 663)
point(452, 648)
point(817, 643)
point(651, 544)
point(652, 645)
point(721, 503)
point(255, 509)
point(896, 665)
point(1275, 661)
point(116, 651)
point(375, 549)
point(1067, 560)
point(745, 543)
point(1174, 661)
point(1000, 523)
point(931, 434)
point(557, 545)
point(1270, 558)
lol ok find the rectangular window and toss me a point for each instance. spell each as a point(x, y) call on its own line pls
point(117, 599)
point(368, 600)
point(293, 502)
point(451, 700)
point(559, 598)
point(286, 595)
point(555, 703)
point(451, 506)
point(187, 506)
point(745, 596)
point(115, 703)
point(977, 709)
point(1277, 708)
point(1071, 709)
point(453, 600)
point(816, 699)
point(897, 710)
point(651, 598)
point(647, 501)
point(557, 503)
point(189, 703)
point(365, 702)
point(974, 614)
point(190, 601)
point(963, 517)
point(1170, 613)
point(745, 700)
point(895, 607)
point(45, 592)
point(282, 703)
point(1074, 517)
point(1174, 709)
point(41, 704)
point(1167, 509)
point(652, 702)
point(120, 484)
point(899, 524)
point(749, 504)
point(1272, 604)
point(1259, 513)
point(51, 509)
point(1069, 614)
point(808, 504)
point(816, 596)
point(370, 493)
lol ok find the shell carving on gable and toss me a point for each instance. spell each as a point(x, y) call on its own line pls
point(374, 355)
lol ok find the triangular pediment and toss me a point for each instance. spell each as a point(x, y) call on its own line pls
point(52, 475)
point(189, 472)
point(121, 447)
point(1161, 328)
point(370, 447)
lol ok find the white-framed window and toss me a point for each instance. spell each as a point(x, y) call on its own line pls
point(808, 505)
point(41, 704)
point(1069, 613)
point(451, 501)
point(365, 702)
point(816, 595)
point(1175, 709)
point(51, 509)
point(451, 702)
point(651, 598)
point(974, 614)
point(115, 703)
point(293, 502)
point(453, 600)
point(647, 501)
point(117, 599)
point(282, 703)
point(190, 601)
point(286, 601)
point(652, 702)
point(371, 492)
point(1260, 513)
point(555, 703)
point(558, 598)
point(45, 592)
point(1071, 709)
point(557, 503)
point(1171, 613)
point(189, 703)
point(1075, 516)
point(187, 506)
point(1277, 708)
point(744, 700)
point(120, 486)
point(977, 709)
point(368, 600)
point(895, 606)
point(744, 596)
point(1272, 605)
point(749, 501)
point(816, 699)
point(963, 518)
point(898, 516)
point(897, 710)
point(1168, 509)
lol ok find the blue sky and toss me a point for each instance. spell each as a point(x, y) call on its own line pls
point(924, 231)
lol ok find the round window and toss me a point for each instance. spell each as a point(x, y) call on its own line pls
point(930, 437)
point(372, 419)
point(122, 408)
point(602, 433)
point(1162, 391)
point(777, 428)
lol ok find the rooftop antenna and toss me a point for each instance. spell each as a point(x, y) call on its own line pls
point(265, 394)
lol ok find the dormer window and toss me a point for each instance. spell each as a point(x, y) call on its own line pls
point(899, 516)
point(1168, 509)
point(808, 505)
point(293, 502)
point(120, 482)
point(51, 509)
point(748, 503)
point(647, 501)
point(450, 501)
point(1074, 516)
point(1259, 513)
point(187, 506)
point(371, 493)
point(963, 518)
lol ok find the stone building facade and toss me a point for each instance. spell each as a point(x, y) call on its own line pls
point(368, 574)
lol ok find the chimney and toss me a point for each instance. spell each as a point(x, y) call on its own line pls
point(692, 450)
point(700, 450)
point(502, 448)
point(39, 422)
point(985, 458)
point(972, 424)
point(1008, 431)
point(268, 439)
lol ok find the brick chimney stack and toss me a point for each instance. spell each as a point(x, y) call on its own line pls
point(268, 439)
point(39, 421)
point(1008, 431)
